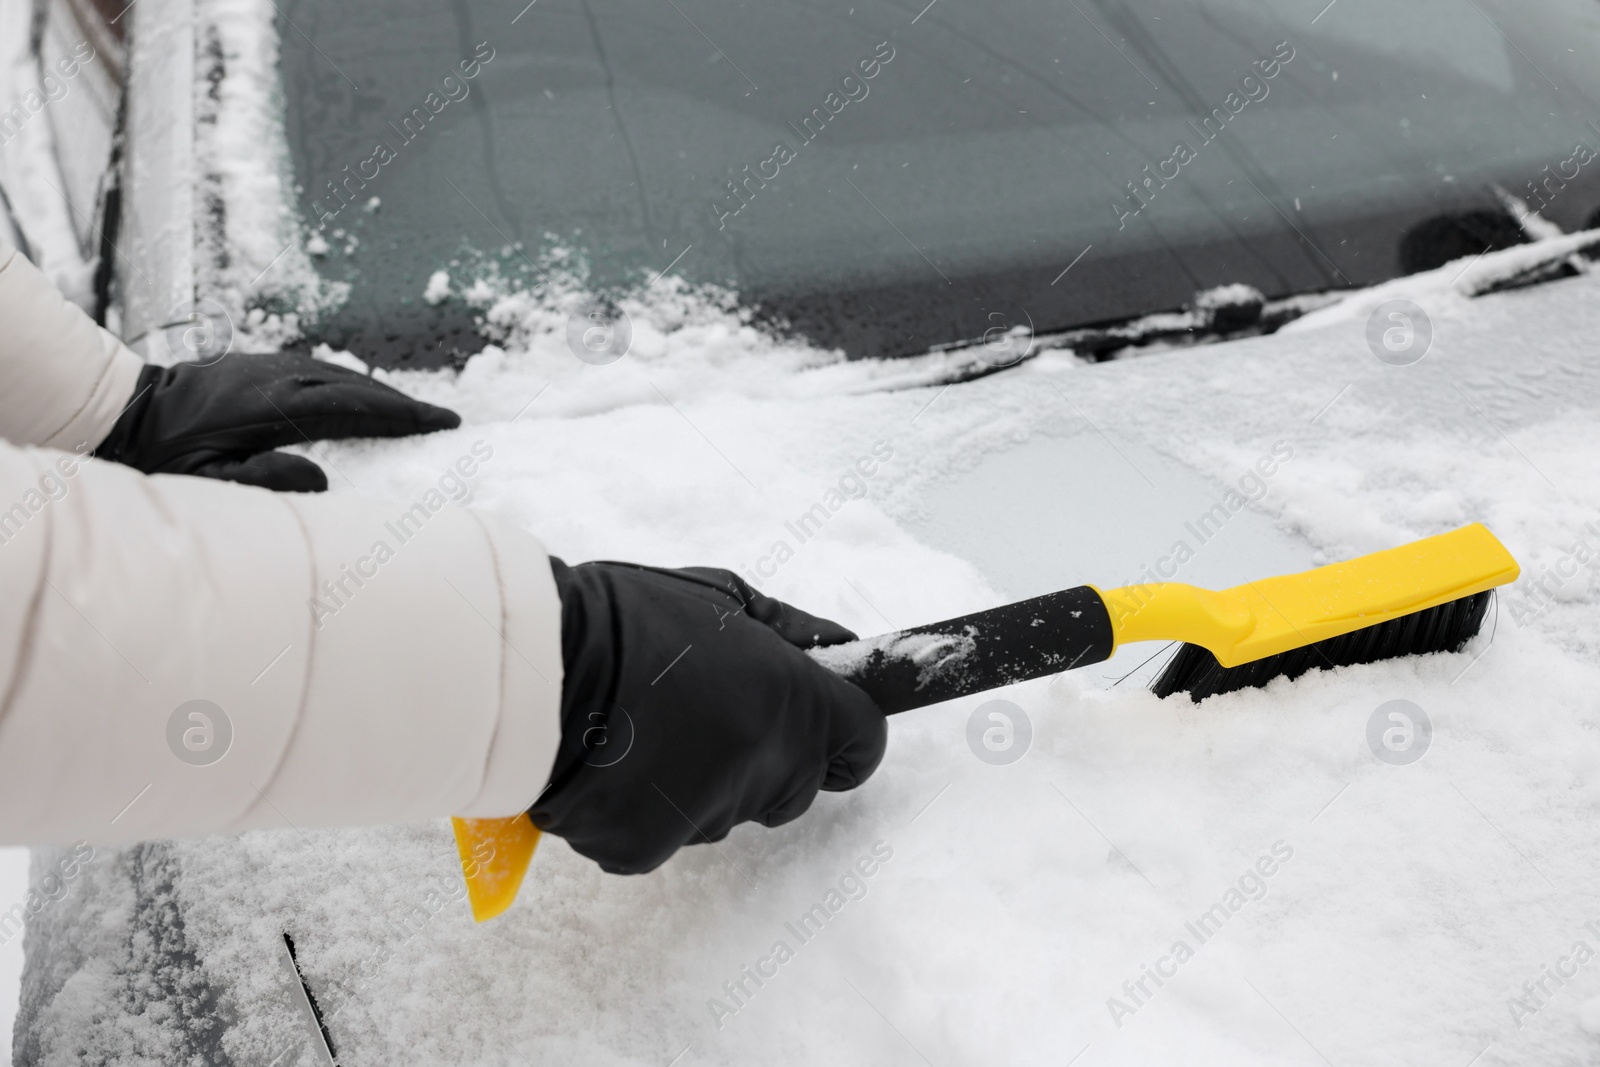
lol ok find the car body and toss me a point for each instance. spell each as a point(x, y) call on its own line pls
point(1014, 913)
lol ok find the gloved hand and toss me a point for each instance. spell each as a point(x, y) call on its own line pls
point(687, 708)
point(223, 420)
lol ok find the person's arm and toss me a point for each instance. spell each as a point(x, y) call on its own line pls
point(181, 656)
point(63, 379)
point(373, 664)
point(67, 383)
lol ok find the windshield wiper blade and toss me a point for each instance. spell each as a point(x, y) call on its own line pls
point(1234, 311)
point(1225, 313)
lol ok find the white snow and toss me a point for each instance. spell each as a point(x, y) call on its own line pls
point(438, 289)
point(347, 360)
point(933, 654)
point(1229, 296)
point(244, 161)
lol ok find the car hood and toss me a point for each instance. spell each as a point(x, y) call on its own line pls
point(1019, 902)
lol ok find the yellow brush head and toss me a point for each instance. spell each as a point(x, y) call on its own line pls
point(1263, 618)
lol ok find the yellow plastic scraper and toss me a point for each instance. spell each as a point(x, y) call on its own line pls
point(494, 857)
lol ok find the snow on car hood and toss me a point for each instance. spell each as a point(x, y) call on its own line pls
point(1026, 913)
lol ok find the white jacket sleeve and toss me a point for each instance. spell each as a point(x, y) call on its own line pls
point(63, 380)
point(362, 663)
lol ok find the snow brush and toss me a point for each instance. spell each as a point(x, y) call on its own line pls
point(1429, 596)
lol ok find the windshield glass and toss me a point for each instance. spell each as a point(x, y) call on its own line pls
point(887, 177)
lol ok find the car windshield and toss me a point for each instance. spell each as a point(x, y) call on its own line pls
point(886, 186)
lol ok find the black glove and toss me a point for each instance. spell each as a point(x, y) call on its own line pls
point(689, 708)
point(223, 420)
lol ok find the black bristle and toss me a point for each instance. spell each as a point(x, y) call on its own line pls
point(1444, 628)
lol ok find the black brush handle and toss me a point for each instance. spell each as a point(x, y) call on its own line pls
point(975, 653)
